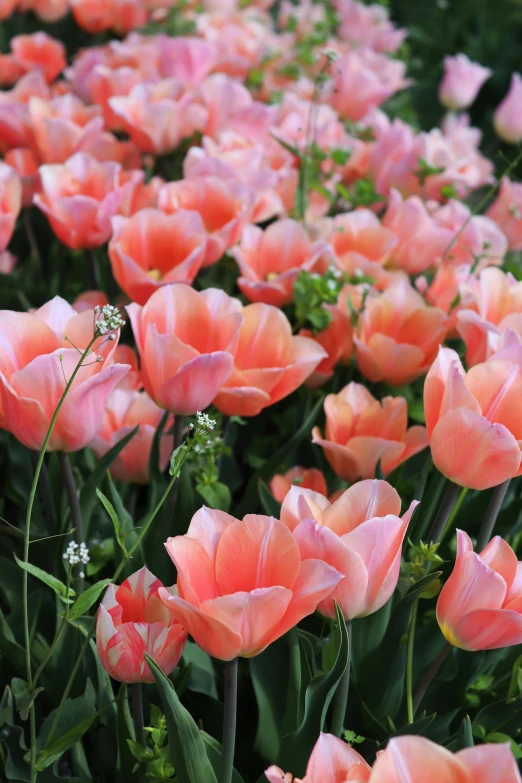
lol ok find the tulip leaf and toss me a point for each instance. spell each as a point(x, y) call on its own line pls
point(464, 737)
point(111, 511)
point(51, 581)
point(297, 747)
point(268, 501)
point(24, 698)
point(187, 749)
point(214, 753)
point(124, 733)
point(215, 494)
point(87, 599)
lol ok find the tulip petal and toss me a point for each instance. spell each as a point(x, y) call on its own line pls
point(300, 503)
point(491, 763)
point(332, 759)
point(207, 526)
point(488, 629)
point(499, 556)
point(241, 401)
point(196, 383)
point(366, 499)
point(24, 417)
point(435, 384)
point(408, 759)
point(196, 579)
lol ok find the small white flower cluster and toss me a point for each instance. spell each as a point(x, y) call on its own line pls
point(204, 421)
point(110, 319)
point(75, 554)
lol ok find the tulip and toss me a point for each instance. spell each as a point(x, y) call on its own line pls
point(7, 7)
point(133, 621)
point(369, 25)
point(141, 194)
point(47, 10)
point(337, 341)
point(331, 761)
point(490, 305)
point(186, 341)
point(413, 759)
point(10, 203)
point(242, 583)
point(462, 81)
point(37, 360)
point(506, 211)
point(473, 419)
point(105, 83)
point(398, 335)
point(476, 240)
point(79, 198)
point(358, 237)
point(361, 432)
point(7, 262)
point(360, 534)
point(225, 208)
point(508, 117)
point(39, 50)
point(88, 300)
point(151, 249)
point(62, 127)
point(25, 162)
point(125, 409)
point(305, 478)
point(269, 363)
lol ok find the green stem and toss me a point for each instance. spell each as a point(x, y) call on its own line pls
point(137, 713)
point(58, 632)
point(74, 503)
point(488, 523)
point(229, 720)
point(341, 693)
point(428, 677)
point(456, 508)
point(443, 514)
point(409, 661)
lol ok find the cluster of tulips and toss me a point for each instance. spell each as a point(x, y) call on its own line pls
point(211, 177)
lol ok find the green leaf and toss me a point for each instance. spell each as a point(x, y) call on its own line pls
point(87, 599)
point(215, 495)
point(202, 673)
point(51, 581)
point(214, 753)
point(24, 698)
point(124, 733)
point(268, 501)
point(111, 511)
point(465, 735)
point(139, 752)
point(186, 745)
point(515, 687)
point(270, 673)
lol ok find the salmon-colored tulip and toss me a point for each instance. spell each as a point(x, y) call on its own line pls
point(105, 83)
point(305, 478)
point(506, 211)
point(7, 7)
point(490, 304)
point(46, 10)
point(337, 341)
point(79, 199)
point(476, 240)
point(269, 363)
point(413, 759)
point(507, 118)
point(361, 431)
point(124, 354)
point(186, 341)
point(39, 50)
point(63, 126)
point(269, 261)
point(25, 162)
point(242, 583)
point(358, 237)
point(473, 419)
point(10, 203)
point(132, 621)
point(37, 360)
point(480, 606)
point(331, 761)
point(398, 335)
point(141, 195)
point(88, 300)
point(225, 207)
point(360, 534)
point(125, 409)
point(462, 81)
point(151, 249)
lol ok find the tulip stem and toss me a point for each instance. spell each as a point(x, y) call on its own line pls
point(33, 244)
point(409, 662)
point(137, 713)
point(229, 720)
point(428, 677)
point(456, 508)
point(443, 514)
point(74, 504)
point(488, 523)
point(341, 693)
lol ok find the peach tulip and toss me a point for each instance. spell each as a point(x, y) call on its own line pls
point(105, 83)
point(490, 304)
point(124, 354)
point(133, 621)
point(125, 409)
point(39, 50)
point(225, 208)
point(141, 194)
point(337, 341)
point(358, 237)
point(413, 759)
point(6, 8)
point(151, 249)
point(269, 363)
point(88, 300)
point(476, 240)
point(508, 117)
point(25, 162)
point(79, 199)
point(10, 203)
point(369, 25)
point(242, 583)
point(462, 81)
point(398, 335)
point(480, 606)
point(361, 432)
point(46, 10)
point(331, 761)
point(473, 419)
point(306, 478)
point(37, 360)
point(186, 341)
point(360, 534)
point(63, 126)
point(506, 211)
point(269, 261)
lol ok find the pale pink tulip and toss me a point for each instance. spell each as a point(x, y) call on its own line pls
point(10, 203)
point(506, 211)
point(462, 81)
point(331, 761)
point(508, 116)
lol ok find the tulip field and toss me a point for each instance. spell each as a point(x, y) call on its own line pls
point(260, 391)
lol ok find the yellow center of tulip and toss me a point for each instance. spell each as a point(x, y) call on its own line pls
point(154, 274)
point(450, 636)
point(271, 276)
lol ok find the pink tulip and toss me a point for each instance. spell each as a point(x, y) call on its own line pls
point(368, 25)
point(480, 606)
point(508, 117)
point(473, 420)
point(35, 363)
point(476, 240)
point(46, 10)
point(360, 432)
point(106, 83)
point(140, 194)
point(269, 363)
point(185, 58)
point(305, 478)
point(360, 534)
point(225, 208)
point(7, 7)
point(186, 341)
point(242, 583)
point(88, 300)
point(132, 621)
point(41, 51)
point(25, 162)
point(357, 237)
point(397, 336)
point(331, 761)
point(462, 81)
point(506, 211)
point(63, 126)
point(10, 203)
point(151, 249)
point(413, 759)
point(269, 261)
point(7, 262)
point(125, 409)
